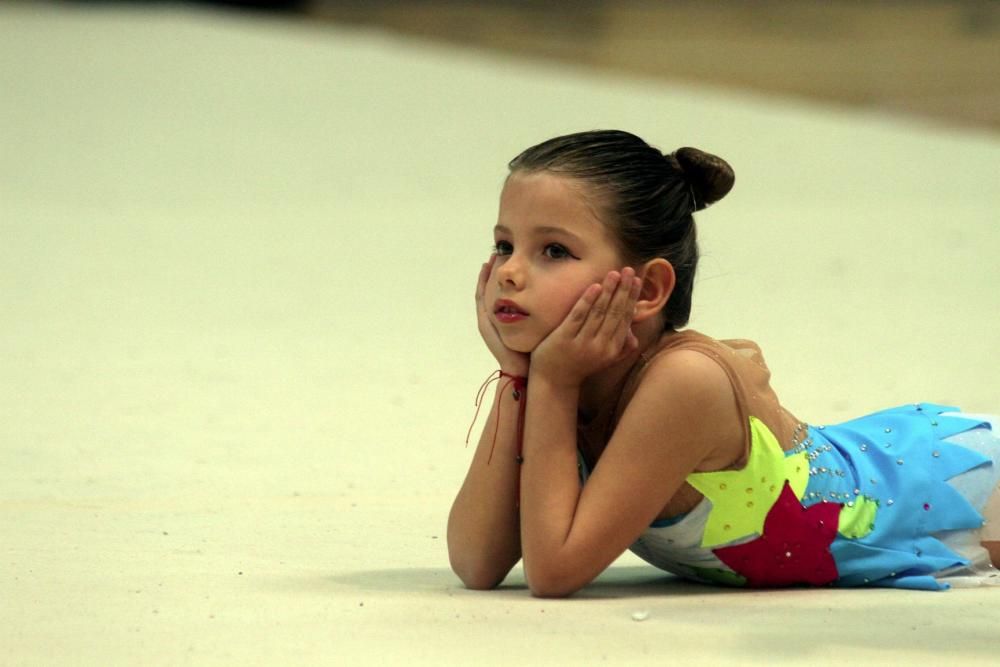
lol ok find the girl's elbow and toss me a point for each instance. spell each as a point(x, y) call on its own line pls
point(552, 593)
point(477, 576)
point(479, 581)
point(553, 584)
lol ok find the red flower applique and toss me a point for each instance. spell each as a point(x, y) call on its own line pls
point(794, 548)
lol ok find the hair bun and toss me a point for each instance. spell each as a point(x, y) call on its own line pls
point(710, 177)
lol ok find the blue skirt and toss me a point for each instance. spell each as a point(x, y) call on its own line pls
point(917, 479)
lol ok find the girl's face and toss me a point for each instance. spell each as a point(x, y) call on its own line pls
point(550, 247)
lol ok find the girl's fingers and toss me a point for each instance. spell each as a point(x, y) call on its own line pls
point(619, 320)
point(481, 283)
point(484, 275)
point(620, 309)
point(617, 316)
point(630, 342)
point(581, 309)
point(599, 311)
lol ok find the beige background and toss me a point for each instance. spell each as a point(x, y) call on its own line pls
point(238, 355)
point(935, 59)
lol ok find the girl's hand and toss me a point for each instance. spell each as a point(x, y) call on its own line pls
point(511, 362)
point(595, 334)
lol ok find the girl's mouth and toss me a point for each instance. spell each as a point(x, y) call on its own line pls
point(508, 312)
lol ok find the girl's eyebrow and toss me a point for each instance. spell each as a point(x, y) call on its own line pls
point(539, 231)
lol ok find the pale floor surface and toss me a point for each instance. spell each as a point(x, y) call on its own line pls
point(239, 357)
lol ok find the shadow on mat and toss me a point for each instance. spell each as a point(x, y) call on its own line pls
point(616, 582)
point(961, 627)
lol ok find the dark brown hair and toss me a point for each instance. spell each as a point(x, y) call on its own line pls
point(648, 197)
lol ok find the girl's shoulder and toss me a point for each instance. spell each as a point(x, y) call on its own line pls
point(689, 400)
point(688, 374)
point(737, 348)
point(740, 359)
point(728, 379)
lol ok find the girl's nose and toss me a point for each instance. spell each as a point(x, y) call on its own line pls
point(510, 272)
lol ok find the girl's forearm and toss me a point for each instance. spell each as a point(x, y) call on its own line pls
point(483, 527)
point(550, 485)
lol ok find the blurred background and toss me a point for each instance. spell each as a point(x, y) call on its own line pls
point(937, 59)
point(238, 352)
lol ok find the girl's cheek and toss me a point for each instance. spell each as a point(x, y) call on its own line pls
point(565, 309)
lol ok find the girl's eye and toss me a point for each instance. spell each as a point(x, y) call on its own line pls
point(502, 248)
point(556, 251)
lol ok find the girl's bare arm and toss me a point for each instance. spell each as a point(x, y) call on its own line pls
point(682, 413)
point(484, 540)
point(483, 528)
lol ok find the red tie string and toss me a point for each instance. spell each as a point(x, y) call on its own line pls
point(520, 385)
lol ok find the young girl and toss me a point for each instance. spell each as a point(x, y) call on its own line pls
point(685, 453)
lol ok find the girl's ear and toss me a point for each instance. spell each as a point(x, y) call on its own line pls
point(658, 282)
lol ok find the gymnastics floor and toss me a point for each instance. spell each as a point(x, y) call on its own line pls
point(238, 353)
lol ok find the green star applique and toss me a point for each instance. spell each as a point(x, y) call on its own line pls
point(742, 498)
point(718, 576)
point(857, 519)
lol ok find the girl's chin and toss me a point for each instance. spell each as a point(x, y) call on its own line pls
point(523, 349)
point(518, 344)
